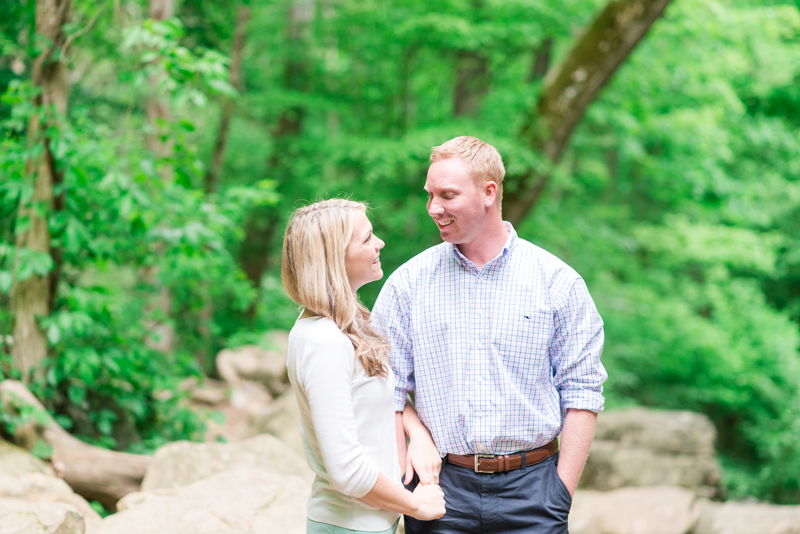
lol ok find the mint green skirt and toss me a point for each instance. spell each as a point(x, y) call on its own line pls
point(314, 527)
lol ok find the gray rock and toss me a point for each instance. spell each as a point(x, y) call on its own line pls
point(748, 518)
point(241, 501)
point(665, 431)
point(250, 362)
point(642, 447)
point(17, 461)
point(181, 463)
point(19, 516)
point(652, 510)
point(35, 487)
point(283, 421)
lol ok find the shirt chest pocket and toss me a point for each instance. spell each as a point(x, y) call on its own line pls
point(523, 337)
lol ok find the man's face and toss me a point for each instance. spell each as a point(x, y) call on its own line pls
point(455, 203)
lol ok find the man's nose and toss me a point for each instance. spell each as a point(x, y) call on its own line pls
point(434, 208)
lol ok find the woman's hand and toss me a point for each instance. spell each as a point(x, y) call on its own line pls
point(430, 502)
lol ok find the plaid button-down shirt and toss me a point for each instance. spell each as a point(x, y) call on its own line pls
point(495, 355)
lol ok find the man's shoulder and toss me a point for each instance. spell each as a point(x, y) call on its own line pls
point(428, 260)
point(527, 252)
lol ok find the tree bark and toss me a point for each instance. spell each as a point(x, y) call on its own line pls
point(541, 60)
point(260, 226)
point(212, 175)
point(572, 86)
point(33, 298)
point(157, 108)
point(161, 332)
point(95, 473)
point(472, 82)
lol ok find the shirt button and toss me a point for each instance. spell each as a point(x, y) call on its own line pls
point(479, 414)
point(480, 380)
point(478, 346)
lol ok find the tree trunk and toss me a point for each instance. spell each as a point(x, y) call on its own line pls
point(260, 227)
point(541, 60)
point(157, 108)
point(96, 474)
point(472, 82)
point(212, 175)
point(34, 297)
point(161, 332)
point(573, 85)
point(211, 178)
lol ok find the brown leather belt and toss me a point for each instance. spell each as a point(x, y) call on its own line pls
point(488, 463)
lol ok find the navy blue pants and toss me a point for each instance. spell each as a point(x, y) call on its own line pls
point(531, 500)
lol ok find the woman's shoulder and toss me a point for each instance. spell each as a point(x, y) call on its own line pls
point(319, 331)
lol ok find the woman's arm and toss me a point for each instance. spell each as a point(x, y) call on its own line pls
point(425, 504)
point(422, 455)
point(326, 382)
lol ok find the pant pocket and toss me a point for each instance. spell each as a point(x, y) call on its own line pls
point(560, 499)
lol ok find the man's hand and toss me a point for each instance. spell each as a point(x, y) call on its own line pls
point(423, 458)
point(576, 439)
point(422, 455)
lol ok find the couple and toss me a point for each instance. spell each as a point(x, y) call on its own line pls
point(499, 341)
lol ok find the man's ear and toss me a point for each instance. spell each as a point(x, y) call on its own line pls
point(489, 193)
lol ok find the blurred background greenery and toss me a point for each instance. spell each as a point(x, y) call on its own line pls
point(182, 134)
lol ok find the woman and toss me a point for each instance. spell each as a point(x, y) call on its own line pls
point(338, 365)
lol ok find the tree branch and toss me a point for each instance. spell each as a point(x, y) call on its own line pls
point(573, 85)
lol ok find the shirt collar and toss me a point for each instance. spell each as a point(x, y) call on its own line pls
point(510, 245)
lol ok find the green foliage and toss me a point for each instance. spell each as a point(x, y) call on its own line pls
point(134, 224)
point(678, 199)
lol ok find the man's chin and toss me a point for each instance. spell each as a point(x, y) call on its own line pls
point(450, 237)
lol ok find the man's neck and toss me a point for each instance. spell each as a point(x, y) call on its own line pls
point(488, 245)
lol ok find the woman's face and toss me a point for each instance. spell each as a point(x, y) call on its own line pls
point(361, 262)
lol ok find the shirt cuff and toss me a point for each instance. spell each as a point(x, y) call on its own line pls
point(400, 398)
point(582, 399)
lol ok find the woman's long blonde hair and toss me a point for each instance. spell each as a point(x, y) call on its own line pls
point(314, 275)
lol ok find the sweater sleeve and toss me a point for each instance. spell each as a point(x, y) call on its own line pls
point(329, 367)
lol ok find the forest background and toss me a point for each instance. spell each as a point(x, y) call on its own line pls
point(152, 152)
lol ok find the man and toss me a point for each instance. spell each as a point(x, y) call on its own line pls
point(501, 343)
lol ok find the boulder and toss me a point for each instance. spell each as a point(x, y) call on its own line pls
point(243, 416)
point(181, 463)
point(641, 447)
point(283, 421)
point(652, 510)
point(19, 516)
point(748, 518)
point(253, 363)
point(241, 501)
point(38, 487)
point(17, 461)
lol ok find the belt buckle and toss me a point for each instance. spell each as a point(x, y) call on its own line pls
point(478, 462)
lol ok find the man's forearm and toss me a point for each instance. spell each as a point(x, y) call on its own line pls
point(576, 439)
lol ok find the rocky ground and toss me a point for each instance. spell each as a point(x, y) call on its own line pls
point(650, 472)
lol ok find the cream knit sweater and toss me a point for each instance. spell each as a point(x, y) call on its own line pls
point(348, 425)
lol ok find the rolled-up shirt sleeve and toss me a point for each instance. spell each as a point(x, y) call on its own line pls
point(391, 317)
point(576, 348)
point(326, 381)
